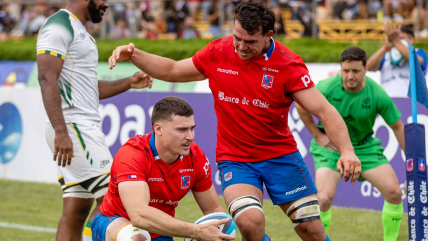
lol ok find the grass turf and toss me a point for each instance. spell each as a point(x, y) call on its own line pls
point(39, 204)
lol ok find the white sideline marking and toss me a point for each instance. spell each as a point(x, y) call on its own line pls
point(27, 227)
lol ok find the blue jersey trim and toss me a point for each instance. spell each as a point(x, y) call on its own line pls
point(153, 146)
point(270, 50)
point(283, 54)
point(224, 41)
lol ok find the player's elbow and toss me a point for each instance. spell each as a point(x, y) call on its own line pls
point(139, 220)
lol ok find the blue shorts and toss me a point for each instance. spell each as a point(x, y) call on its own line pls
point(99, 228)
point(286, 178)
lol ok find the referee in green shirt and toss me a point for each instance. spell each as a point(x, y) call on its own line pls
point(358, 99)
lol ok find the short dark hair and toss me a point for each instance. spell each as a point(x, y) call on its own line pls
point(409, 29)
point(354, 54)
point(254, 14)
point(165, 108)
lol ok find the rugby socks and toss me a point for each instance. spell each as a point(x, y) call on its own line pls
point(266, 238)
point(87, 233)
point(391, 220)
point(326, 219)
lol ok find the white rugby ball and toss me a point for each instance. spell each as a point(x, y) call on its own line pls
point(395, 56)
point(228, 228)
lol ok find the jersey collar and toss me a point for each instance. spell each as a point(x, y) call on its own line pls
point(72, 15)
point(153, 148)
point(270, 50)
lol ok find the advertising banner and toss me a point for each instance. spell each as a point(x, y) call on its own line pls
point(24, 154)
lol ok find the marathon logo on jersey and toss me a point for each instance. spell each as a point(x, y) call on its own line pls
point(227, 71)
point(185, 182)
point(409, 165)
point(267, 81)
point(421, 164)
point(227, 176)
point(155, 179)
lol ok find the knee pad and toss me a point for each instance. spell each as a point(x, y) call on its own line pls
point(304, 210)
point(126, 233)
point(242, 204)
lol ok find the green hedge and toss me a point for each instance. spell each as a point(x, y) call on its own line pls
point(320, 51)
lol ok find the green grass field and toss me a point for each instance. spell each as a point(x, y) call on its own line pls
point(38, 204)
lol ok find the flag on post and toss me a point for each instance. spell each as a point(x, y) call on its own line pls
point(414, 135)
point(421, 86)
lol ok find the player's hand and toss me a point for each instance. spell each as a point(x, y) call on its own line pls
point(388, 42)
point(141, 80)
point(351, 164)
point(323, 141)
point(391, 31)
point(120, 54)
point(63, 149)
point(209, 231)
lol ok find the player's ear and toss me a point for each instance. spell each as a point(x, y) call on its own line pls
point(269, 35)
point(157, 129)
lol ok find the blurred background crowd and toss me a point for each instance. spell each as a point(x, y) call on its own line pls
point(186, 19)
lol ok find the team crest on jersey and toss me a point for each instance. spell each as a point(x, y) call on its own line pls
point(185, 182)
point(421, 164)
point(409, 165)
point(267, 81)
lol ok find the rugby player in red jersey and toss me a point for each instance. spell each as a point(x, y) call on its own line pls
point(254, 80)
point(150, 174)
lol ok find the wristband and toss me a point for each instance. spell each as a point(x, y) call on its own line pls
point(386, 48)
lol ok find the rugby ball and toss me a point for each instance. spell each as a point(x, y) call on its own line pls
point(228, 228)
point(395, 56)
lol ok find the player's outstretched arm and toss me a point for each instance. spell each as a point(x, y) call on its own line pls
point(135, 196)
point(156, 66)
point(49, 68)
point(321, 138)
point(314, 102)
point(208, 201)
point(139, 80)
point(398, 128)
point(373, 63)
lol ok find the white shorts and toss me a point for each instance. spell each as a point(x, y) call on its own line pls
point(89, 171)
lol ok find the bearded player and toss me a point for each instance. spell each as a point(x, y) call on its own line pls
point(67, 58)
point(359, 100)
point(254, 80)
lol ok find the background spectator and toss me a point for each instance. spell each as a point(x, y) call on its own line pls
point(176, 12)
point(7, 22)
point(213, 18)
point(121, 31)
point(189, 31)
point(37, 19)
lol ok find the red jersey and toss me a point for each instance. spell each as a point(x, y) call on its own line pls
point(138, 160)
point(252, 99)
